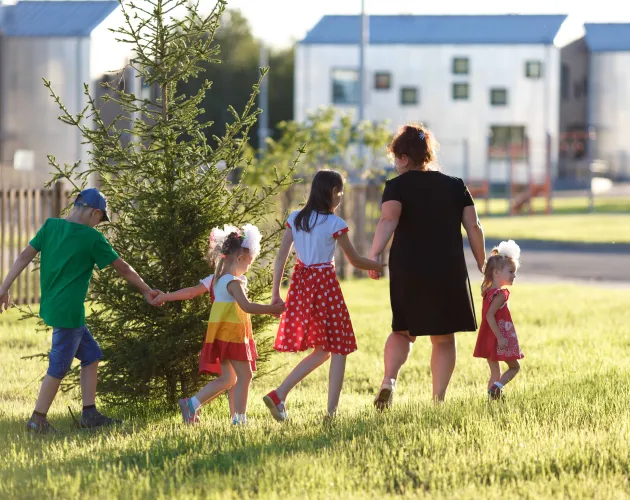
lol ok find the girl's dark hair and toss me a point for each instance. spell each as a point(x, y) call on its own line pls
point(233, 243)
point(320, 199)
point(417, 143)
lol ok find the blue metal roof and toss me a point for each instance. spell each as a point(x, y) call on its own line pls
point(608, 37)
point(55, 18)
point(491, 29)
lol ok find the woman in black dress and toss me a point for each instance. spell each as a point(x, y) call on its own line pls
point(429, 287)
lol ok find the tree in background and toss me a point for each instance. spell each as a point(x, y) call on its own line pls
point(167, 189)
point(232, 79)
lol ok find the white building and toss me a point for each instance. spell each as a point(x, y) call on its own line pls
point(68, 43)
point(483, 84)
point(609, 102)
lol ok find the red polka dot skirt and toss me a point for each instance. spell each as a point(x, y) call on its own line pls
point(315, 314)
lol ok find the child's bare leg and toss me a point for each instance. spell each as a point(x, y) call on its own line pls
point(513, 368)
point(47, 394)
point(243, 371)
point(230, 395)
point(89, 377)
point(495, 373)
point(215, 387)
point(304, 367)
point(335, 381)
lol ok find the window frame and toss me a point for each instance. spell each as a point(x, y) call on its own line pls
point(457, 59)
point(379, 74)
point(351, 102)
point(402, 93)
point(454, 93)
point(529, 64)
point(493, 101)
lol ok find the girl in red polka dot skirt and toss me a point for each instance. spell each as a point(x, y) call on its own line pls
point(497, 340)
point(315, 315)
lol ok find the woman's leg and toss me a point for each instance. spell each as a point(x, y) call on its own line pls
point(304, 367)
point(397, 349)
point(335, 381)
point(243, 371)
point(495, 373)
point(443, 356)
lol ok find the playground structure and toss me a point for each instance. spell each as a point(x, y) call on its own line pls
point(520, 190)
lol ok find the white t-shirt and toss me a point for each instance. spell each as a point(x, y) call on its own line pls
point(318, 246)
point(220, 292)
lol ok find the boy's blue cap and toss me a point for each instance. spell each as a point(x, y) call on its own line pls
point(93, 198)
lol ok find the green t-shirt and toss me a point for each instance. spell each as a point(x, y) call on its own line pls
point(69, 252)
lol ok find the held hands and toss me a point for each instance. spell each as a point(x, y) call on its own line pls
point(5, 300)
point(375, 275)
point(151, 295)
point(277, 304)
point(159, 299)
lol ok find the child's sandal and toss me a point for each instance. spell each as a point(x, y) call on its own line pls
point(276, 407)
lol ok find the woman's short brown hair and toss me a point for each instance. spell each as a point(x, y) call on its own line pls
point(416, 142)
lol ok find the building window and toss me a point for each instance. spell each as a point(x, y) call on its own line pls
point(345, 86)
point(533, 69)
point(565, 82)
point(460, 66)
point(408, 96)
point(508, 141)
point(460, 91)
point(498, 97)
point(382, 80)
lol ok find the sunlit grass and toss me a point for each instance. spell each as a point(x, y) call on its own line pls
point(562, 432)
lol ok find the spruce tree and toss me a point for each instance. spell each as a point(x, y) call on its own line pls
point(167, 188)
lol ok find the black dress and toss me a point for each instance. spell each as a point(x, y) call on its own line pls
point(429, 286)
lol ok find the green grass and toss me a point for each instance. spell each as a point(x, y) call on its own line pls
point(588, 228)
point(562, 433)
point(561, 205)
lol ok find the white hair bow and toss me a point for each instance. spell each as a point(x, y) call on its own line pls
point(509, 249)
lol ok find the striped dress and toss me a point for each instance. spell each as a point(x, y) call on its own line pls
point(229, 334)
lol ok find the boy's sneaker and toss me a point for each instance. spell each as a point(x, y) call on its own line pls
point(276, 407)
point(96, 419)
point(495, 393)
point(40, 426)
point(189, 414)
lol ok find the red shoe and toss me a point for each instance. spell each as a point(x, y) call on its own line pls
point(276, 407)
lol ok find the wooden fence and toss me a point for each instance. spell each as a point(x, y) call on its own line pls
point(22, 212)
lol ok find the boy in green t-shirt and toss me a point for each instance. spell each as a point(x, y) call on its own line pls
point(69, 250)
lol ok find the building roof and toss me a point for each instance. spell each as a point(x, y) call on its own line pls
point(54, 18)
point(608, 37)
point(462, 30)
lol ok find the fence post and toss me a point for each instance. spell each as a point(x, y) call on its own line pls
point(56, 204)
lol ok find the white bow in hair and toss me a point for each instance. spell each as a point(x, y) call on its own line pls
point(217, 235)
point(252, 238)
point(509, 249)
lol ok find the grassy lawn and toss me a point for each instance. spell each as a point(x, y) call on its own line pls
point(588, 228)
point(561, 205)
point(563, 431)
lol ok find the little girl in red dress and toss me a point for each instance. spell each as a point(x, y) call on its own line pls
point(315, 314)
point(497, 340)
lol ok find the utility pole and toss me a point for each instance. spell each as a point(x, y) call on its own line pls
point(263, 100)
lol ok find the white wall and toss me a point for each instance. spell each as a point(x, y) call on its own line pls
point(533, 103)
point(30, 115)
point(609, 108)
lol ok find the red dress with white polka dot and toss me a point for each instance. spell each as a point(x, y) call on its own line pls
point(315, 314)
